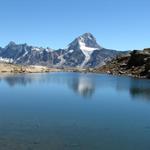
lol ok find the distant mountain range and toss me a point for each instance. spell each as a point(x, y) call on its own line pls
point(83, 52)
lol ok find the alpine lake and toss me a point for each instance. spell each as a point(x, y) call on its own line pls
point(74, 111)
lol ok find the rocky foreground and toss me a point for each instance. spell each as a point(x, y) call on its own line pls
point(135, 64)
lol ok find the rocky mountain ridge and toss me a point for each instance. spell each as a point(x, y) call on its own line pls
point(82, 52)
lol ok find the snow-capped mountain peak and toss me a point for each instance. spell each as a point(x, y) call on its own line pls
point(88, 41)
point(85, 42)
point(84, 47)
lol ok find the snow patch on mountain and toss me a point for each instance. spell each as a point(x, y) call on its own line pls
point(22, 56)
point(85, 48)
point(71, 51)
point(62, 60)
point(48, 50)
point(87, 51)
point(36, 49)
point(6, 60)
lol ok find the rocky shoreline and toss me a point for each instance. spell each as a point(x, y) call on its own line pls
point(12, 68)
point(135, 64)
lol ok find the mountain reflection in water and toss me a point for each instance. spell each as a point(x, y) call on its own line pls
point(83, 84)
point(138, 88)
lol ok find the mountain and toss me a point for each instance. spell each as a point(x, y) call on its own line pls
point(79, 51)
point(26, 55)
point(82, 52)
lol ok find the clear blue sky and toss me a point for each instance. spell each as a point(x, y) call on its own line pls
point(117, 24)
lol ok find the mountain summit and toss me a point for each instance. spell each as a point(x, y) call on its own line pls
point(85, 42)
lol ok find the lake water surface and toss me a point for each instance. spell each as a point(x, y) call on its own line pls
point(73, 111)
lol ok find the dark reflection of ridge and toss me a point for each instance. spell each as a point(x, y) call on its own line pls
point(140, 88)
point(22, 80)
point(17, 79)
point(83, 85)
point(137, 88)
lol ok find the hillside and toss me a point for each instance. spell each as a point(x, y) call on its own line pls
point(135, 64)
